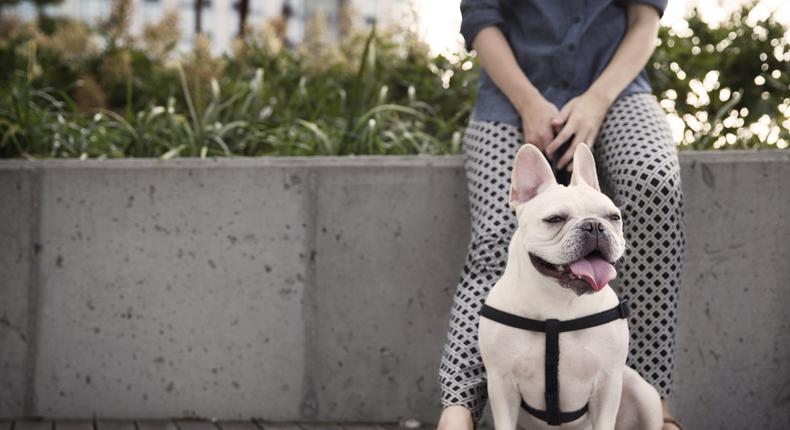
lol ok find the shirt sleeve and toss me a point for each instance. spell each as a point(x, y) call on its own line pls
point(659, 5)
point(477, 15)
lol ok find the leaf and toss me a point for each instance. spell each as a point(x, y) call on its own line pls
point(173, 152)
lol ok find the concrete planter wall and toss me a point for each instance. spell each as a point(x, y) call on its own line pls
point(319, 288)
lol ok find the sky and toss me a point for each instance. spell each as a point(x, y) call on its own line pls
point(441, 19)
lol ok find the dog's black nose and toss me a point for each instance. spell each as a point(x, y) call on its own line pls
point(592, 227)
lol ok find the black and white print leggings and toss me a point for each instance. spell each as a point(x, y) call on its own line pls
point(638, 168)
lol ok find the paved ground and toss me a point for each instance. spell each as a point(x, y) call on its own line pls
point(179, 425)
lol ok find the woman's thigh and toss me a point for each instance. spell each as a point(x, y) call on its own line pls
point(638, 167)
point(489, 149)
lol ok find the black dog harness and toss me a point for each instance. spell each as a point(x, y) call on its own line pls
point(553, 328)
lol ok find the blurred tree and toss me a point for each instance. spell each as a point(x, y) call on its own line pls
point(243, 7)
point(118, 25)
point(729, 83)
point(280, 23)
point(44, 22)
point(199, 5)
point(5, 4)
point(346, 15)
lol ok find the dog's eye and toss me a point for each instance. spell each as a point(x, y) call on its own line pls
point(614, 217)
point(554, 219)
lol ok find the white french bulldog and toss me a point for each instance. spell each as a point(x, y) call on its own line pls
point(559, 264)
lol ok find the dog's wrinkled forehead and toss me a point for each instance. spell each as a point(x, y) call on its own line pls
point(570, 202)
point(551, 209)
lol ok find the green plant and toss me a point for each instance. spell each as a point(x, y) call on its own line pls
point(376, 92)
point(730, 84)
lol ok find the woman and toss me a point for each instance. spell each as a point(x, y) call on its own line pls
point(558, 71)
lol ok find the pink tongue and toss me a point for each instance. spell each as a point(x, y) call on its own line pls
point(595, 270)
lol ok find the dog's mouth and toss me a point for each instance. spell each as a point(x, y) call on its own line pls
point(590, 273)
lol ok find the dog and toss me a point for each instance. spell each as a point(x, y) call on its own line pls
point(560, 261)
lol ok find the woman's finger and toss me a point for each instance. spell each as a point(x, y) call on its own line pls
point(587, 141)
point(541, 138)
point(565, 134)
point(563, 115)
point(581, 135)
point(591, 138)
point(548, 135)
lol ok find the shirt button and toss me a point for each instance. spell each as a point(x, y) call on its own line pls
point(572, 47)
point(577, 19)
point(563, 84)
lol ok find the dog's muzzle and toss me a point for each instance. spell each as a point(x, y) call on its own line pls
point(590, 263)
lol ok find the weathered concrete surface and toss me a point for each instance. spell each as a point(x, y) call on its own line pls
point(170, 291)
point(319, 288)
point(733, 363)
point(389, 240)
point(17, 265)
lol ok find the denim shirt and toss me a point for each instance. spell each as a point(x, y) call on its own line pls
point(561, 45)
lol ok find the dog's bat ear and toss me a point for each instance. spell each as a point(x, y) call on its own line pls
point(531, 175)
point(584, 167)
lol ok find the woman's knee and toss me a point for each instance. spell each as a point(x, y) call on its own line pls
point(653, 191)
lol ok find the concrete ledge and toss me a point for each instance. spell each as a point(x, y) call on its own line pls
point(319, 288)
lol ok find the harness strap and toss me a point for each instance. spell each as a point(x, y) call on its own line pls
point(565, 417)
point(553, 328)
point(620, 311)
point(552, 394)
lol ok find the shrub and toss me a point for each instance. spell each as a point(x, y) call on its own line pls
point(375, 93)
point(730, 84)
point(65, 94)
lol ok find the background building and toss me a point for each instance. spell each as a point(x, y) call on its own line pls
point(220, 18)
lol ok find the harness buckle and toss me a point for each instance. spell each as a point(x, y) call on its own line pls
point(625, 311)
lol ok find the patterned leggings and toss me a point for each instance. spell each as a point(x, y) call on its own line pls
point(638, 168)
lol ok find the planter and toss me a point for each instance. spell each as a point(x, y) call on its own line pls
point(319, 288)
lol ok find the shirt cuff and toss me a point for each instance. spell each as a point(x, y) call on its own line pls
point(476, 18)
point(659, 5)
